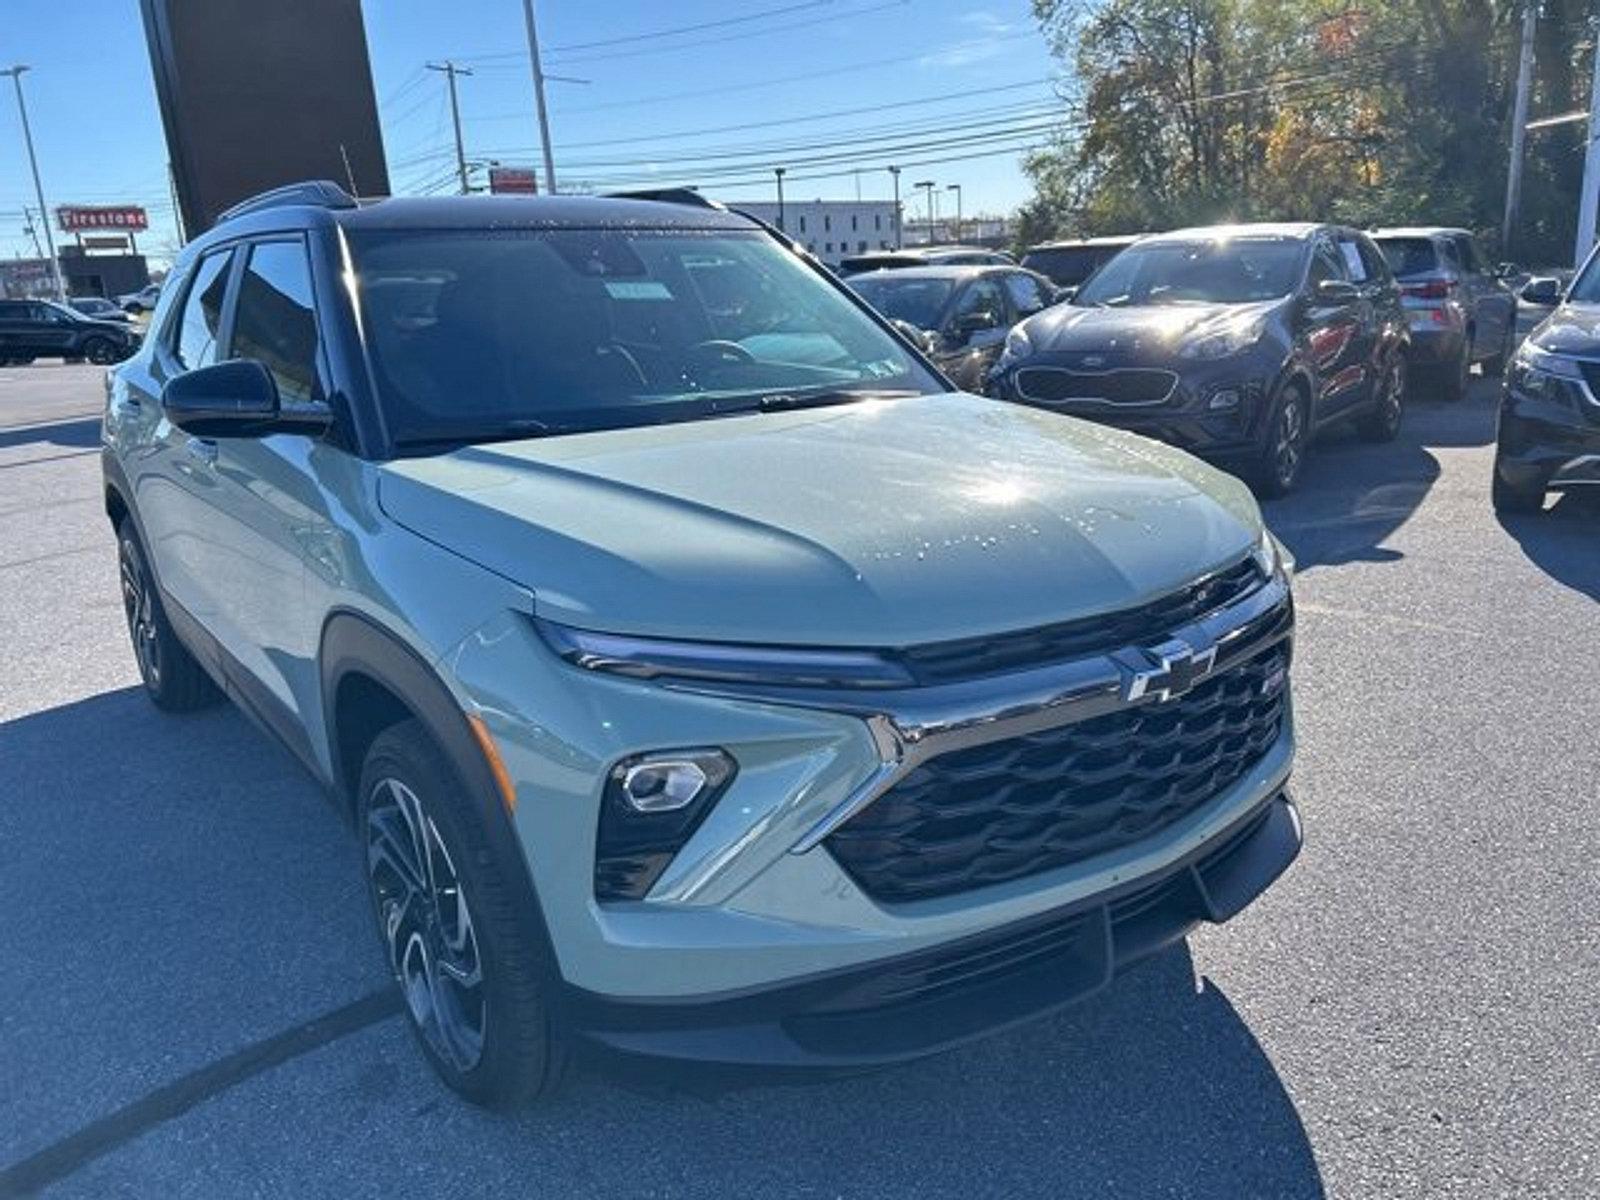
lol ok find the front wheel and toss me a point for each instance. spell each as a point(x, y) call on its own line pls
point(1276, 468)
point(1456, 377)
point(1382, 423)
point(1510, 498)
point(1496, 364)
point(100, 351)
point(473, 978)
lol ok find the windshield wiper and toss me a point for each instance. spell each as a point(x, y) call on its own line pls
point(501, 431)
point(785, 401)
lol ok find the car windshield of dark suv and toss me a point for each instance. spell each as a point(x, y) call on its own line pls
point(475, 335)
point(1224, 271)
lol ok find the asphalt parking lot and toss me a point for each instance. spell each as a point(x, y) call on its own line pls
point(193, 1004)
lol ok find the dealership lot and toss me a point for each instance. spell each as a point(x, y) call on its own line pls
point(194, 1004)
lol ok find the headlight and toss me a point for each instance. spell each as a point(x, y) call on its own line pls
point(1541, 375)
point(1224, 342)
point(1532, 358)
point(722, 662)
point(1272, 556)
point(1018, 345)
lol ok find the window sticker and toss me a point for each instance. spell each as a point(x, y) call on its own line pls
point(637, 289)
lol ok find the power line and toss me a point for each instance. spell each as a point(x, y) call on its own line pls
point(662, 33)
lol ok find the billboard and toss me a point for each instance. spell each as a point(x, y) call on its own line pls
point(257, 95)
point(514, 181)
point(75, 218)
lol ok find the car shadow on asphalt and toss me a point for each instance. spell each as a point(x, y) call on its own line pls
point(82, 433)
point(156, 848)
point(1354, 495)
point(1564, 540)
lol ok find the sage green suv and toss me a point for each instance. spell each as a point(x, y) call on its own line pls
point(704, 677)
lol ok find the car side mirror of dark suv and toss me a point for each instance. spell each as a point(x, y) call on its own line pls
point(1337, 291)
point(1544, 291)
point(1064, 295)
point(237, 398)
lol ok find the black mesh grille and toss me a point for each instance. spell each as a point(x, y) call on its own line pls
point(968, 658)
point(1132, 385)
point(1013, 808)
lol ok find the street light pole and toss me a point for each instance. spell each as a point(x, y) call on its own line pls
point(927, 185)
point(1589, 193)
point(450, 72)
point(894, 173)
point(1519, 124)
point(38, 188)
point(538, 98)
point(779, 172)
point(956, 188)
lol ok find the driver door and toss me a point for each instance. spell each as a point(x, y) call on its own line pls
point(1332, 333)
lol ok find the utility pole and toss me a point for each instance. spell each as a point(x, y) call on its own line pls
point(956, 188)
point(927, 185)
point(1589, 193)
point(1519, 124)
point(38, 188)
point(779, 172)
point(538, 98)
point(894, 173)
point(450, 72)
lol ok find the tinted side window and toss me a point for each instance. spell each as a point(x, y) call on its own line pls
point(196, 340)
point(1354, 268)
point(1325, 263)
point(1377, 266)
point(1026, 294)
point(274, 322)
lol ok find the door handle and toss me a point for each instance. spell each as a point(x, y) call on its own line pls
point(201, 450)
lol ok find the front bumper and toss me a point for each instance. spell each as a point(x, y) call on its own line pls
point(1550, 441)
point(916, 1004)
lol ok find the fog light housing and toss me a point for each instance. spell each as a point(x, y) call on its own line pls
point(653, 803)
point(1226, 400)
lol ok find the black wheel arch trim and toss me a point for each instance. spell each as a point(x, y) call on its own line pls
point(354, 644)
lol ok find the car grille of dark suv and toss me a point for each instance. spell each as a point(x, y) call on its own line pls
point(1058, 385)
point(1013, 808)
point(968, 658)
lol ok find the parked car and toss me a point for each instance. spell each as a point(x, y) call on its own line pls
point(925, 256)
point(1549, 432)
point(31, 329)
point(962, 314)
point(1236, 342)
point(97, 308)
point(685, 669)
point(1460, 310)
point(1069, 263)
point(144, 300)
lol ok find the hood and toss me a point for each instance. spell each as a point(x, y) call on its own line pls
point(1570, 329)
point(1149, 334)
point(881, 523)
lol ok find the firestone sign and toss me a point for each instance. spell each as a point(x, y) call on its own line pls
point(75, 218)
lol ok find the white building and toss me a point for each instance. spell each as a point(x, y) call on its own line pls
point(830, 229)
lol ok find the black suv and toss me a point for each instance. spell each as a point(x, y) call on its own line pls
point(31, 329)
point(1235, 342)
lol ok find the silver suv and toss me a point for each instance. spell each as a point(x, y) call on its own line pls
point(704, 677)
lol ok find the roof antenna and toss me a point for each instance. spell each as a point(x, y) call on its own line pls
point(349, 175)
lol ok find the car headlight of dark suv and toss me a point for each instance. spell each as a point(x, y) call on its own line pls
point(1540, 375)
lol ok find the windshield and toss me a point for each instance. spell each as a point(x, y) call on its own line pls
point(919, 301)
point(1231, 271)
point(481, 334)
point(1586, 288)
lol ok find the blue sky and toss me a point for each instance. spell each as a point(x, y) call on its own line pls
point(823, 86)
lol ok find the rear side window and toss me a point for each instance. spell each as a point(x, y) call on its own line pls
point(1026, 294)
point(196, 340)
point(1372, 258)
point(275, 323)
point(1410, 256)
point(1325, 263)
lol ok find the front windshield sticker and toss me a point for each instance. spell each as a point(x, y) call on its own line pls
point(638, 289)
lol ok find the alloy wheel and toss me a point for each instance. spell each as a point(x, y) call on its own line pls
point(138, 605)
point(427, 924)
point(1287, 446)
point(1391, 406)
point(100, 352)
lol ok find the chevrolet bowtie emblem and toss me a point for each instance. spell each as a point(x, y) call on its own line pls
point(1176, 667)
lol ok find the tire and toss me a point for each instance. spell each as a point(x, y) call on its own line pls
point(1382, 422)
point(1496, 365)
point(102, 352)
point(173, 679)
point(473, 981)
point(1456, 377)
point(1508, 498)
point(1276, 468)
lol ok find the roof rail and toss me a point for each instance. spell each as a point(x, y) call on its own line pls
point(317, 193)
point(677, 195)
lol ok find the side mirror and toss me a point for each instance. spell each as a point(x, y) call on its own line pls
point(1064, 295)
point(237, 398)
point(1545, 291)
point(1337, 291)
